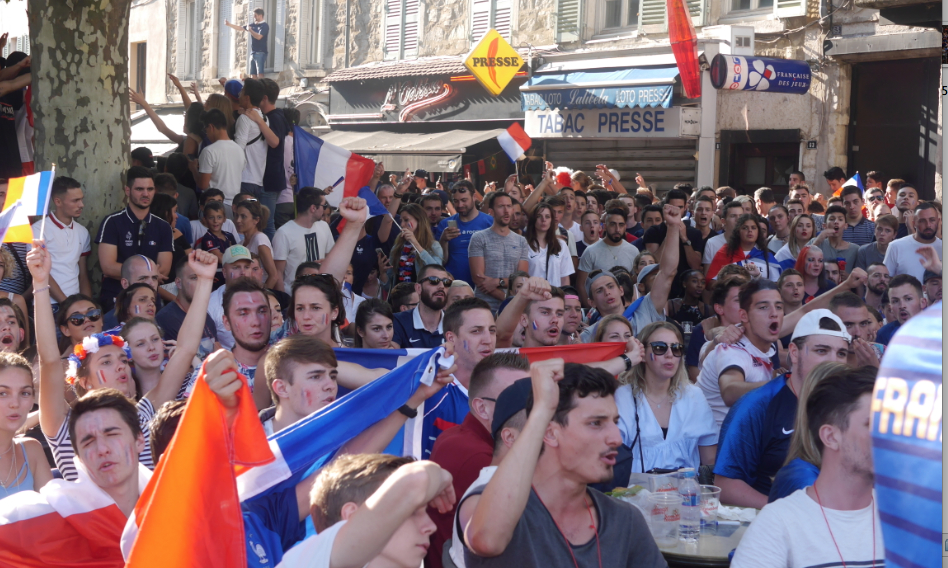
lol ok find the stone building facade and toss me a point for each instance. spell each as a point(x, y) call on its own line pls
point(852, 48)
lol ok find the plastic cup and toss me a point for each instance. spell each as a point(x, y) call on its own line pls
point(664, 516)
point(710, 501)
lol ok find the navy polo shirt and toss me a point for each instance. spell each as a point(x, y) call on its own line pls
point(124, 230)
point(755, 435)
point(410, 332)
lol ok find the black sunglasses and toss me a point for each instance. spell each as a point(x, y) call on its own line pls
point(874, 198)
point(660, 348)
point(433, 280)
point(78, 319)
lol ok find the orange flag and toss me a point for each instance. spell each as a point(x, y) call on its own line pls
point(189, 514)
point(584, 353)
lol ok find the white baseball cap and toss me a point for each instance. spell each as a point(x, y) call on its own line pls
point(809, 324)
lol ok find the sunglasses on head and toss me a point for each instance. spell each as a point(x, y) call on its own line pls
point(78, 319)
point(433, 280)
point(660, 348)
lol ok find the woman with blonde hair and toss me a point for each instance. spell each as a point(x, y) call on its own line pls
point(803, 457)
point(615, 327)
point(664, 419)
point(415, 247)
point(223, 104)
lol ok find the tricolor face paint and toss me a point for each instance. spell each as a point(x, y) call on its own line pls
point(534, 325)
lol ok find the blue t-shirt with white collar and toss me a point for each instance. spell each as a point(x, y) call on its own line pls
point(410, 332)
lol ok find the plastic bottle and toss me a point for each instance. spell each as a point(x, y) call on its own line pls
point(689, 527)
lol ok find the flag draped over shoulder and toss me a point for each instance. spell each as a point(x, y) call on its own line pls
point(65, 525)
point(189, 515)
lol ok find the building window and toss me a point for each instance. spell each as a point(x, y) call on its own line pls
point(488, 14)
point(620, 14)
point(310, 34)
point(188, 56)
point(401, 29)
point(764, 9)
point(225, 39)
point(741, 5)
point(613, 16)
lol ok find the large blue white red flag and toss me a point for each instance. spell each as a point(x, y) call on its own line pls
point(321, 165)
point(906, 442)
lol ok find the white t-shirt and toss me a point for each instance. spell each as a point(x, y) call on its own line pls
point(244, 131)
point(901, 256)
point(225, 161)
point(67, 245)
point(198, 230)
point(286, 196)
point(576, 230)
point(254, 244)
point(792, 533)
point(691, 425)
point(754, 363)
point(457, 547)
point(314, 551)
point(560, 265)
point(296, 244)
point(711, 248)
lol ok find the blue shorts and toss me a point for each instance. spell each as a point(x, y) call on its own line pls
point(258, 60)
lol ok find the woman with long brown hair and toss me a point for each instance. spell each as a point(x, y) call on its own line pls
point(548, 257)
point(415, 247)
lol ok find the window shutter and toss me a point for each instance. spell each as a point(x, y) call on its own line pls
point(182, 39)
point(568, 16)
point(652, 13)
point(697, 9)
point(789, 8)
point(308, 23)
point(196, 40)
point(279, 26)
point(393, 29)
point(225, 39)
point(480, 18)
point(412, 26)
point(502, 17)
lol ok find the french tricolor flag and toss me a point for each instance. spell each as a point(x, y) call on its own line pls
point(320, 164)
point(514, 141)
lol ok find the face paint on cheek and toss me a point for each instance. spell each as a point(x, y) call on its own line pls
point(534, 325)
point(466, 348)
point(651, 356)
point(309, 398)
point(101, 374)
point(137, 310)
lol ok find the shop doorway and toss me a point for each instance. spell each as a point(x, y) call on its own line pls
point(894, 120)
point(763, 165)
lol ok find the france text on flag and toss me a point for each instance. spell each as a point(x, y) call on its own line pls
point(32, 192)
point(321, 165)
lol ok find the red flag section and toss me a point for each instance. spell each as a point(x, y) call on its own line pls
point(583, 353)
point(684, 43)
point(189, 514)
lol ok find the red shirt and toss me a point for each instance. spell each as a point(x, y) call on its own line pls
point(463, 451)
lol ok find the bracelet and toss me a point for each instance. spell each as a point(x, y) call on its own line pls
point(408, 411)
point(38, 290)
point(628, 362)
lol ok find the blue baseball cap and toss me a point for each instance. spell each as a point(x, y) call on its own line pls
point(233, 88)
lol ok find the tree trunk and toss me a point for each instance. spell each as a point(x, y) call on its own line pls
point(80, 98)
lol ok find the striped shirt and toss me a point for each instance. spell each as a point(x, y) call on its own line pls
point(65, 456)
point(863, 233)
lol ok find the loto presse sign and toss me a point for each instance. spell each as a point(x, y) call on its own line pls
point(493, 62)
point(656, 122)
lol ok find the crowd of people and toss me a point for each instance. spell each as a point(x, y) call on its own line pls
point(752, 332)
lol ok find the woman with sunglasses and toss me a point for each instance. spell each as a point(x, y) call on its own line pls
point(746, 245)
point(664, 419)
point(102, 360)
point(374, 325)
point(810, 265)
point(79, 317)
point(415, 247)
point(138, 300)
point(7, 263)
point(802, 231)
point(251, 219)
point(548, 258)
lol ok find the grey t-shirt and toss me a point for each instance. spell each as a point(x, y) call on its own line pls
point(868, 254)
point(644, 315)
point(601, 256)
point(848, 256)
point(501, 257)
point(624, 540)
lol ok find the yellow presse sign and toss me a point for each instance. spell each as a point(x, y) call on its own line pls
point(493, 62)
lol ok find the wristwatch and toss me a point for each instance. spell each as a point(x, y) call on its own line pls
point(688, 243)
point(501, 283)
point(398, 195)
point(628, 362)
point(408, 411)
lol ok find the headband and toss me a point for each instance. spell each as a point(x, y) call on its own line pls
point(90, 345)
point(571, 297)
point(589, 281)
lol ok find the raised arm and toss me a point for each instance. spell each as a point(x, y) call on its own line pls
point(15, 84)
point(354, 211)
point(668, 262)
point(504, 499)
point(139, 99)
point(852, 283)
point(535, 288)
point(204, 265)
point(52, 391)
point(185, 99)
point(538, 193)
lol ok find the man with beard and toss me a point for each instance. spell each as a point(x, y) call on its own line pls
point(132, 231)
point(877, 283)
point(537, 509)
point(506, 250)
point(611, 250)
point(422, 326)
point(836, 520)
point(906, 300)
point(455, 232)
point(902, 256)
